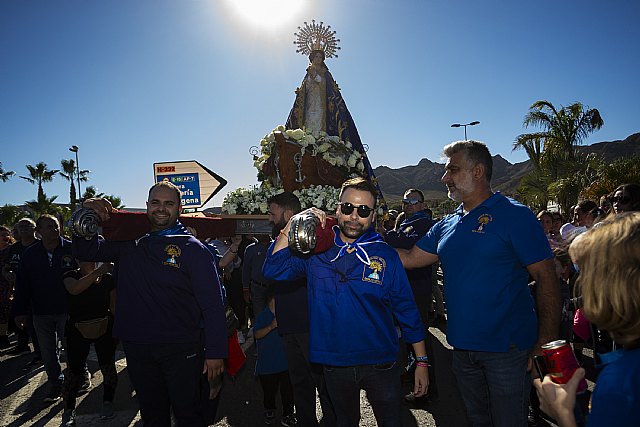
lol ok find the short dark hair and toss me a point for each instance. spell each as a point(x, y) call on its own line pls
point(415, 190)
point(168, 184)
point(586, 206)
point(28, 220)
point(476, 153)
point(361, 184)
point(46, 216)
point(286, 200)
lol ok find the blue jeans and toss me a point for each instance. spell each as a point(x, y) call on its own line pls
point(382, 384)
point(494, 386)
point(49, 330)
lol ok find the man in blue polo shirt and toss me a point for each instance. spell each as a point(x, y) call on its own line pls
point(487, 249)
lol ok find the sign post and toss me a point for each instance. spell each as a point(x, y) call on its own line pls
point(197, 184)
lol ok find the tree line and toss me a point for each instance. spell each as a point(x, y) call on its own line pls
point(562, 174)
point(39, 174)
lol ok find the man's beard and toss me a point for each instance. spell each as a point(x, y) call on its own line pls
point(352, 232)
point(277, 228)
point(455, 195)
point(161, 223)
point(465, 187)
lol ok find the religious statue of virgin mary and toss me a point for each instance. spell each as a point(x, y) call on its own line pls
point(319, 106)
point(318, 148)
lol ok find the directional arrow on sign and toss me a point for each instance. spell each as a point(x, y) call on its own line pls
point(197, 183)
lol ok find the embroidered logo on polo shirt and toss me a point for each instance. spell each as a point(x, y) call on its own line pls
point(374, 272)
point(483, 220)
point(173, 252)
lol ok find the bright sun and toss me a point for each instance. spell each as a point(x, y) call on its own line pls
point(267, 13)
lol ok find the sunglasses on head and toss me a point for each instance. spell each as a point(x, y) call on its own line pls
point(622, 200)
point(412, 202)
point(363, 210)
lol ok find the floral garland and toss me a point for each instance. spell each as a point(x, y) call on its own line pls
point(336, 152)
point(253, 201)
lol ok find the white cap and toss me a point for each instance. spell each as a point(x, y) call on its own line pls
point(570, 231)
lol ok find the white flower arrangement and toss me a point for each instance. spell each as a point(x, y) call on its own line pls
point(253, 201)
point(330, 148)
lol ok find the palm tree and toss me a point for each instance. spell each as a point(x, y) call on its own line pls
point(562, 130)
point(533, 190)
point(567, 191)
point(553, 151)
point(10, 214)
point(91, 192)
point(70, 173)
point(39, 174)
point(610, 176)
point(5, 175)
point(43, 205)
point(116, 201)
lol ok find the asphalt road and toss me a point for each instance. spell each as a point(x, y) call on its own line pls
point(22, 392)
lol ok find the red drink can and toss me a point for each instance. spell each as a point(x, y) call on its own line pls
point(561, 363)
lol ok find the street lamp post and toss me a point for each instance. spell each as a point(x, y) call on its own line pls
point(457, 125)
point(74, 149)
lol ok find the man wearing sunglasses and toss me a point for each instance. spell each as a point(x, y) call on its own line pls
point(356, 289)
point(488, 248)
point(415, 225)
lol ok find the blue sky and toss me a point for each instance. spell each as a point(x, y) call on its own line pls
point(133, 82)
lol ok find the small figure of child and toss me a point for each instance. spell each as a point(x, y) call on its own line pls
point(271, 366)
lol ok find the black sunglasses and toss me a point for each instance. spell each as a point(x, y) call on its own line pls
point(411, 202)
point(622, 200)
point(363, 210)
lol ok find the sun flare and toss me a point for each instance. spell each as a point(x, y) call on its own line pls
point(267, 13)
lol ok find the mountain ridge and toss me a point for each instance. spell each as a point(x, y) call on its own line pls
point(506, 176)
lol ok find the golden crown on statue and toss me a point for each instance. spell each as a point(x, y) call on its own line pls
point(311, 37)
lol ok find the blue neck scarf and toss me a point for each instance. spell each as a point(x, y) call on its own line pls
point(369, 237)
point(177, 230)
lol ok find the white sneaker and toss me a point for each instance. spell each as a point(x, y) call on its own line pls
point(241, 339)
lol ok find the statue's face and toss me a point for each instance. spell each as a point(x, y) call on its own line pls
point(316, 59)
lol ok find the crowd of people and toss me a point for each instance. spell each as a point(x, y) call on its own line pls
point(513, 281)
